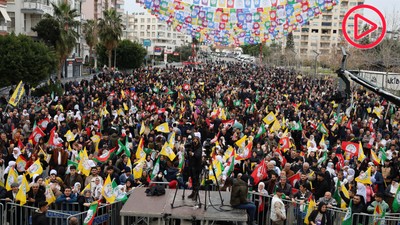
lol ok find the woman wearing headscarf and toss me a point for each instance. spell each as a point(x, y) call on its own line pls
point(11, 164)
point(320, 216)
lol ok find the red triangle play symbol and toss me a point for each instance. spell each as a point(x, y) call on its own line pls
point(373, 25)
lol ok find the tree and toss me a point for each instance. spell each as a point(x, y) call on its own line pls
point(289, 43)
point(65, 16)
point(110, 31)
point(88, 34)
point(130, 55)
point(21, 58)
point(184, 52)
point(48, 30)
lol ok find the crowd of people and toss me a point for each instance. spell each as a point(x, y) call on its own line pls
point(255, 119)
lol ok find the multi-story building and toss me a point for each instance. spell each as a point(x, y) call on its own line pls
point(324, 34)
point(88, 8)
point(144, 26)
point(4, 17)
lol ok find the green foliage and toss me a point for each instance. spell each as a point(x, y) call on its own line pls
point(101, 53)
point(88, 29)
point(65, 17)
point(130, 54)
point(48, 30)
point(289, 42)
point(48, 89)
point(21, 58)
point(254, 50)
point(110, 31)
point(184, 53)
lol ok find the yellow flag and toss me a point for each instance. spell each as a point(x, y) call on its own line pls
point(275, 127)
point(120, 112)
point(108, 191)
point(241, 143)
point(41, 152)
point(167, 151)
point(269, 118)
point(163, 128)
point(365, 177)
point(17, 95)
point(69, 136)
point(88, 187)
point(223, 114)
point(125, 106)
point(377, 110)
point(322, 142)
point(122, 94)
point(23, 190)
point(137, 171)
point(35, 168)
point(346, 194)
point(50, 198)
point(96, 140)
point(171, 141)
point(140, 152)
point(84, 165)
point(129, 163)
point(375, 158)
point(142, 128)
point(11, 178)
point(361, 155)
point(310, 208)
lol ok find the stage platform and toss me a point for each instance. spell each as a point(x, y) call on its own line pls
point(143, 209)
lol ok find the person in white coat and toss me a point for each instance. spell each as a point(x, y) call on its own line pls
point(278, 211)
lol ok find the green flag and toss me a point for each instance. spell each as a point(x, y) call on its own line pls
point(127, 150)
point(396, 201)
point(156, 168)
point(237, 103)
point(261, 131)
point(231, 166)
point(383, 155)
point(347, 217)
point(91, 213)
point(322, 128)
point(121, 147)
point(323, 158)
point(336, 194)
point(296, 126)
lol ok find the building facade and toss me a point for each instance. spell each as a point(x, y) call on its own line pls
point(4, 17)
point(324, 34)
point(88, 8)
point(143, 26)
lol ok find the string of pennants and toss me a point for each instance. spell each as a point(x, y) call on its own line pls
point(237, 22)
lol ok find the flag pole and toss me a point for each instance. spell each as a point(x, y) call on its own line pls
point(387, 110)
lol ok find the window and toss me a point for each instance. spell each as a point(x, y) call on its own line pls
point(142, 20)
point(135, 27)
point(148, 27)
point(153, 34)
point(153, 27)
point(153, 20)
point(326, 24)
point(334, 31)
point(142, 27)
point(136, 20)
point(148, 20)
point(314, 31)
point(169, 35)
point(304, 29)
point(142, 34)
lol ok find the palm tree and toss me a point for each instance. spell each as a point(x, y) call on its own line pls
point(65, 16)
point(110, 31)
point(88, 34)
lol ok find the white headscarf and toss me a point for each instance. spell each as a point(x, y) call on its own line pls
point(10, 164)
point(330, 169)
point(18, 152)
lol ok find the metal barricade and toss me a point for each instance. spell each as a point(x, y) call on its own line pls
point(371, 219)
point(295, 212)
point(106, 214)
point(22, 215)
point(69, 208)
point(2, 213)
point(164, 184)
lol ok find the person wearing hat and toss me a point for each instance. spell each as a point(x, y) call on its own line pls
point(39, 216)
point(11, 194)
point(278, 211)
point(239, 197)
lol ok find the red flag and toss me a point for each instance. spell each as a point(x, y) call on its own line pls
point(371, 126)
point(294, 179)
point(228, 123)
point(20, 144)
point(349, 125)
point(259, 173)
point(52, 140)
point(36, 134)
point(215, 139)
point(340, 163)
point(284, 142)
point(281, 157)
point(247, 152)
point(43, 123)
point(261, 204)
point(351, 147)
point(186, 87)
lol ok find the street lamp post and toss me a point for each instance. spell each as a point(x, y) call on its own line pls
point(316, 61)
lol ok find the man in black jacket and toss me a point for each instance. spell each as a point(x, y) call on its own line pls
point(39, 216)
point(195, 161)
point(239, 197)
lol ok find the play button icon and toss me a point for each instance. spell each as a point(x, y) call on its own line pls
point(358, 24)
point(357, 18)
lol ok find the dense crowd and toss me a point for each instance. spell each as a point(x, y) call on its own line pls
point(253, 116)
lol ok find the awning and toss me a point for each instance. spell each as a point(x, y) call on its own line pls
point(5, 14)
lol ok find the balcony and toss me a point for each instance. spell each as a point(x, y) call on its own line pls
point(3, 28)
point(36, 8)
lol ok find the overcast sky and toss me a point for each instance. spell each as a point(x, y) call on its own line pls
point(385, 6)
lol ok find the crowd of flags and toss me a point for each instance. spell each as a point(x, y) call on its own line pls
point(237, 22)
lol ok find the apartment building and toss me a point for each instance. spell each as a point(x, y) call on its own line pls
point(88, 8)
point(142, 26)
point(4, 17)
point(324, 34)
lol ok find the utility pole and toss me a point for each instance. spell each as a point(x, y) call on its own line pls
point(316, 61)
